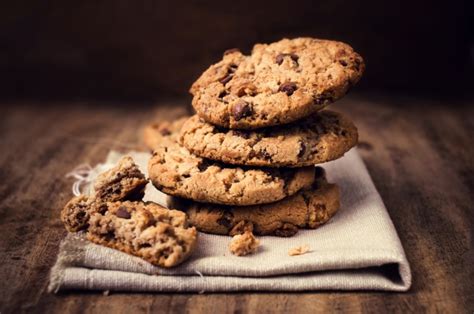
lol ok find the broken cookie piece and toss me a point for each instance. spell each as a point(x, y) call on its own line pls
point(175, 171)
point(308, 208)
point(122, 182)
point(75, 215)
point(244, 244)
point(125, 181)
point(147, 230)
point(299, 250)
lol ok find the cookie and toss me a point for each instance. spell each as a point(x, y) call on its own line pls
point(125, 181)
point(122, 182)
point(174, 170)
point(277, 84)
point(321, 137)
point(147, 230)
point(308, 208)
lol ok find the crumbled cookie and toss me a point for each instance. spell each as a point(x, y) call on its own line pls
point(321, 137)
point(147, 230)
point(244, 244)
point(122, 182)
point(174, 170)
point(299, 250)
point(308, 208)
point(277, 84)
point(125, 181)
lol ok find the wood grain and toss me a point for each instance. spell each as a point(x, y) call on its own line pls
point(420, 158)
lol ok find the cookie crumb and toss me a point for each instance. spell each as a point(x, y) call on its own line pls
point(244, 244)
point(299, 250)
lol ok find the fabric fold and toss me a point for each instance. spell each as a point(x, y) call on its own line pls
point(358, 249)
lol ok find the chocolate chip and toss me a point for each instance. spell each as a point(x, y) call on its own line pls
point(102, 209)
point(152, 222)
point(135, 194)
point(343, 63)
point(230, 72)
point(241, 92)
point(287, 230)
point(223, 94)
point(302, 149)
point(241, 110)
point(228, 51)
point(288, 88)
point(294, 57)
point(319, 172)
point(226, 219)
point(226, 79)
point(204, 165)
point(242, 134)
point(122, 212)
point(280, 57)
point(109, 236)
point(264, 154)
point(165, 131)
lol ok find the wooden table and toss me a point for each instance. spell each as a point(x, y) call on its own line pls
point(419, 152)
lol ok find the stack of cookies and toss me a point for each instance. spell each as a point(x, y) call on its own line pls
point(246, 160)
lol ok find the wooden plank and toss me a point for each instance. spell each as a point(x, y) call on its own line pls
point(418, 152)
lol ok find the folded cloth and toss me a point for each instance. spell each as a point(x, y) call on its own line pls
point(358, 249)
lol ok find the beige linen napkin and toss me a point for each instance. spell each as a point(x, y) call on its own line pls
point(358, 249)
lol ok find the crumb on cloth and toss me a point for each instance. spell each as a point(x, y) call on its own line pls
point(244, 244)
point(299, 250)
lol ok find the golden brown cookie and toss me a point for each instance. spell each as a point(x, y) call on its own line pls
point(122, 182)
point(276, 84)
point(174, 170)
point(308, 208)
point(147, 230)
point(321, 137)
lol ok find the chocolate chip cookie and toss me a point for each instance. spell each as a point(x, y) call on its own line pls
point(174, 170)
point(321, 137)
point(122, 182)
point(147, 230)
point(277, 84)
point(309, 208)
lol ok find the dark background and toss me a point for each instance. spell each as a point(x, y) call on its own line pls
point(144, 49)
